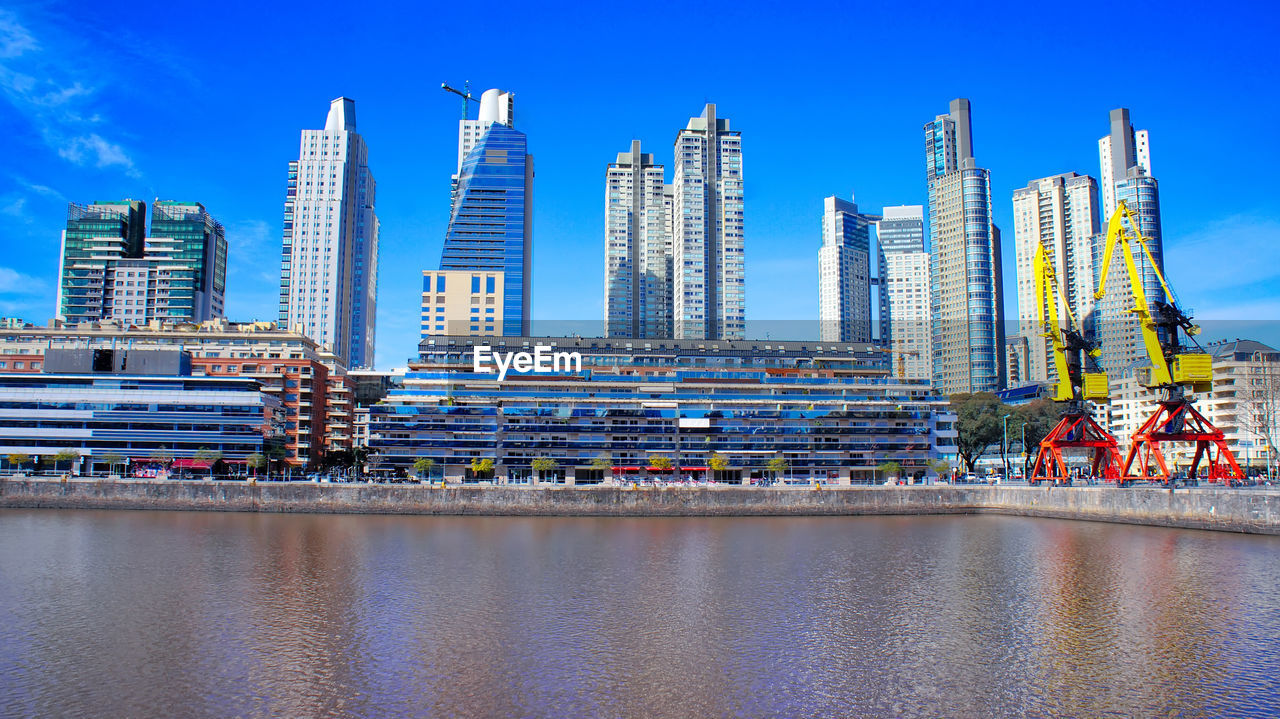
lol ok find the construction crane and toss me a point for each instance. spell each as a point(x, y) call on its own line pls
point(902, 358)
point(1074, 388)
point(1174, 370)
point(464, 93)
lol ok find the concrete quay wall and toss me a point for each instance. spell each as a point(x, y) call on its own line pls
point(1251, 510)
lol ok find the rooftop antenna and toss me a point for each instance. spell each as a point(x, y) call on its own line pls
point(464, 93)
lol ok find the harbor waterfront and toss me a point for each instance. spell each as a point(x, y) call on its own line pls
point(1249, 510)
point(213, 614)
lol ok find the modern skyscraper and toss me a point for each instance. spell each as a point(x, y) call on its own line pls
point(111, 269)
point(1061, 213)
point(491, 222)
point(1125, 159)
point(967, 331)
point(637, 248)
point(329, 258)
point(709, 295)
point(844, 273)
point(900, 235)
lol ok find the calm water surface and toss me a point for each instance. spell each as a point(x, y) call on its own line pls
point(201, 614)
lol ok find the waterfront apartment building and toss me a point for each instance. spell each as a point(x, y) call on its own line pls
point(131, 406)
point(1060, 213)
point(111, 268)
point(829, 411)
point(965, 294)
point(329, 256)
point(905, 299)
point(638, 252)
point(307, 380)
point(708, 284)
point(460, 302)
point(1124, 156)
point(491, 219)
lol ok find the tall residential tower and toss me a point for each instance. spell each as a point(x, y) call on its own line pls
point(900, 235)
point(1125, 159)
point(637, 248)
point(709, 295)
point(1061, 213)
point(329, 260)
point(844, 273)
point(967, 332)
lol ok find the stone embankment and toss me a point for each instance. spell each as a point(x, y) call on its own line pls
point(1249, 510)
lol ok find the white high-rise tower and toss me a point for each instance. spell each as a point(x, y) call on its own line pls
point(709, 294)
point(637, 248)
point(329, 260)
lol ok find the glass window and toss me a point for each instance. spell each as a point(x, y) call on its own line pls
point(475, 284)
point(489, 284)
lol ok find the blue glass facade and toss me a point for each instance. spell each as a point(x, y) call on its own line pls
point(491, 227)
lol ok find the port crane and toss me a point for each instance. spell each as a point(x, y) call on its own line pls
point(1174, 369)
point(1074, 388)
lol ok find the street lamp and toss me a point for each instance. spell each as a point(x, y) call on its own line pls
point(1025, 457)
point(1004, 445)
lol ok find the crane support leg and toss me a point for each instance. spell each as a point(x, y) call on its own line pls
point(1076, 431)
point(1180, 422)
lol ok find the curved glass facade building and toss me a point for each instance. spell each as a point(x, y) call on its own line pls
point(491, 226)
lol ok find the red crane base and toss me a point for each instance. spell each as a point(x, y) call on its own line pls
point(1179, 421)
point(1073, 431)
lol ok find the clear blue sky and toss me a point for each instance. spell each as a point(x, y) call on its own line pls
point(204, 103)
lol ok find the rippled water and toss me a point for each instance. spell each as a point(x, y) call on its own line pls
point(195, 614)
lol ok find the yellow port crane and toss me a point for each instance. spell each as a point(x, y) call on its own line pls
point(1074, 388)
point(1174, 369)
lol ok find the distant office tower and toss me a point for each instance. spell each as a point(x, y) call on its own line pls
point(709, 295)
point(1125, 158)
point(329, 260)
point(1061, 213)
point(967, 332)
point(900, 234)
point(637, 248)
point(111, 269)
point(844, 273)
point(491, 222)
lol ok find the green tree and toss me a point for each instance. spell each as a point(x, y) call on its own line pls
point(890, 469)
point(941, 467)
point(777, 465)
point(482, 467)
point(113, 460)
point(17, 459)
point(978, 424)
point(209, 457)
point(65, 455)
point(256, 461)
point(422, 467)
point(718, 462)
point(542, 465)
point(658, 461)
point(1039, 417)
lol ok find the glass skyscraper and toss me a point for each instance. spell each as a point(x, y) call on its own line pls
point(966, 313)
point(491, 220)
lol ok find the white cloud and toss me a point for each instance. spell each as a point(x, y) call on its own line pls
point(41, 86)
point(13, 282)
point(14, 38)
point(93, 148)
point(15, 207)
